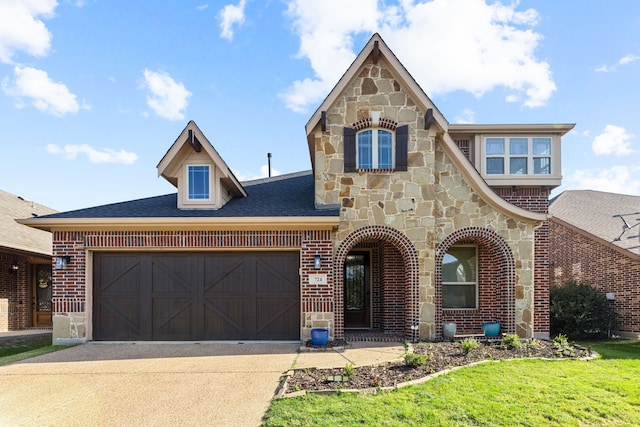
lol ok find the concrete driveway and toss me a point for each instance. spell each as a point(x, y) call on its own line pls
point(145, 384)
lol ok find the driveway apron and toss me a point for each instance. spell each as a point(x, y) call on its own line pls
point(145, 384)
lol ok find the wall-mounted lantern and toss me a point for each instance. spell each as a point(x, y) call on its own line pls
point(317, 262)
point(62, 262)
point(14, 268)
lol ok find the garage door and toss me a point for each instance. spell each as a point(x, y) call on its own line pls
point(196, 296)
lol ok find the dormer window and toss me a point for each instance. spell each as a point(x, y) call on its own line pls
point(375, 149)
point(198, 182)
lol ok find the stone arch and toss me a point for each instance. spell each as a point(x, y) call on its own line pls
point(411, 278)
point(503, 267)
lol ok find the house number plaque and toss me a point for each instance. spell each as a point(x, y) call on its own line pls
point(317, 279)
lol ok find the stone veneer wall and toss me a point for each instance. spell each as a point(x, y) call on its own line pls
point(426, 203)
point(578, 258)
point(71, 309)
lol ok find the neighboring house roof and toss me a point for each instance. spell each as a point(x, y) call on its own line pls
point(284, 200)
point(17, 237)
point(614, 218)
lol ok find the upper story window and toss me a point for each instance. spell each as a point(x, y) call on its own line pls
point(198, 182)
point(460, 278)
point(518, 155)
point(375, 149)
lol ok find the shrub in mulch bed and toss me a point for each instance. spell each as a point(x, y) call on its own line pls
point(440, 356)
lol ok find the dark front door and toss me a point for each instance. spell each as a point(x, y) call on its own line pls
point(196, 296)
point(357, 297)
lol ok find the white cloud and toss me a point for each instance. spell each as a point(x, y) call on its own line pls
point(613, 140)
point(231, 15)
point(45, 94)
point(617, 179)
point(466, 117)
point(264, 173)
point(107, 155)
point(625, 60)
point(21, 28)
point(202, 7)
point(447, 45)
point(166, 97)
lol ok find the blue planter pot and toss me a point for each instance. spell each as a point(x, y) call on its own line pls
point(319, 336)
point(448, 330)
point(491, 329)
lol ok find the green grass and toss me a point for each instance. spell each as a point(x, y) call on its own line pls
point(602, 392)
point(17, 352)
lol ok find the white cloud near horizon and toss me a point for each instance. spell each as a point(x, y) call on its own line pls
point(463, 45)
point(46, 95)
point(22, 29)
point(106, 155)
point(619, 179)
point(229, 16)
point(166, 97)
point(264, 173)
point(614, 140)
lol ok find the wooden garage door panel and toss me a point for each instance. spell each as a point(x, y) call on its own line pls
point(195, 296)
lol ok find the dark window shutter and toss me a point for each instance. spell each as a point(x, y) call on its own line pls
point(402, 147)
point(349, 150)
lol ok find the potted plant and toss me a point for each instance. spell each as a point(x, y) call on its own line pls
point(449, 329)
point(491, 329)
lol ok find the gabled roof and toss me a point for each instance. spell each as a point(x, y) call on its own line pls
point(17, 237)
point(285, 202)
point(376, 46)
point(192, 135)
point(612, 218)
point(379, 51)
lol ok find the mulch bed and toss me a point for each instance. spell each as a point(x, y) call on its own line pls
point(442, 355)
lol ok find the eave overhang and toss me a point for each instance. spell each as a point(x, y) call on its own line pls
point(536, 128)
point(183, 224)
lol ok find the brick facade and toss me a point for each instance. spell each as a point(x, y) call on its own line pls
point(71, 287)
point(579, 257)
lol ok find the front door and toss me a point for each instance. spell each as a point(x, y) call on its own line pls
point(42, 296)
point(357, 296)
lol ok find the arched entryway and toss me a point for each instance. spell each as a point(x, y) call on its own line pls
point(495, 281)
point(388, 303)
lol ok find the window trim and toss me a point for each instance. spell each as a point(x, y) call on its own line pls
point(375, 148)
point(507, 156)
point(188, 198)
point(476, 284)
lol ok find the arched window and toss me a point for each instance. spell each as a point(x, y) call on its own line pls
point(375, 149)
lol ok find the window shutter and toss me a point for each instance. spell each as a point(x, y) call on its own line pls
point(349, 150)
point(402, 147)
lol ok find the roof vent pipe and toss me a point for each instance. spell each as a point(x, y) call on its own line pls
point(269, 163)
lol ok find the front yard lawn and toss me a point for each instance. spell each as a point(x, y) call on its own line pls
point(11, 351)
point(605, 391)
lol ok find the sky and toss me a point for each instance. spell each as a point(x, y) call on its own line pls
point(94, 92)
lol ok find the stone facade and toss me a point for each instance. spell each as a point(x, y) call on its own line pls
point(425, 205)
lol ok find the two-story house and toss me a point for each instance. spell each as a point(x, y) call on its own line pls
point(404, 222)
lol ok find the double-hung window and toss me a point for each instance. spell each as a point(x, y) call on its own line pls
point(460, 278)
point(375, 149)
point(198, 182)
point(518, 155)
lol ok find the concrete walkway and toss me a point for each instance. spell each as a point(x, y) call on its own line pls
point(207, 384)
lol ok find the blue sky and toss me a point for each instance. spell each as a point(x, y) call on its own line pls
point(94, 92)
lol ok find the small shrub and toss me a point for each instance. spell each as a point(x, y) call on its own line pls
point(349, 370)
point(377, 382)
point(469, 344)
point(580, 312)
point(415, 360)
point(511, 341)
point(561, 343)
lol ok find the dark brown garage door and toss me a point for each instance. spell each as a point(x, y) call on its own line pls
point(196, 296)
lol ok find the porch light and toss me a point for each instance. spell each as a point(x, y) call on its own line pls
point(62, 262)
point(14, 268)
point(317, 262)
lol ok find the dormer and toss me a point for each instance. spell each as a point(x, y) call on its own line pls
point(194, 167)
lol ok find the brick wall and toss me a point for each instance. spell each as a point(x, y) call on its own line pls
point(15, 293)
point(535, 199)
point(579, 258)
point(69, 286)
